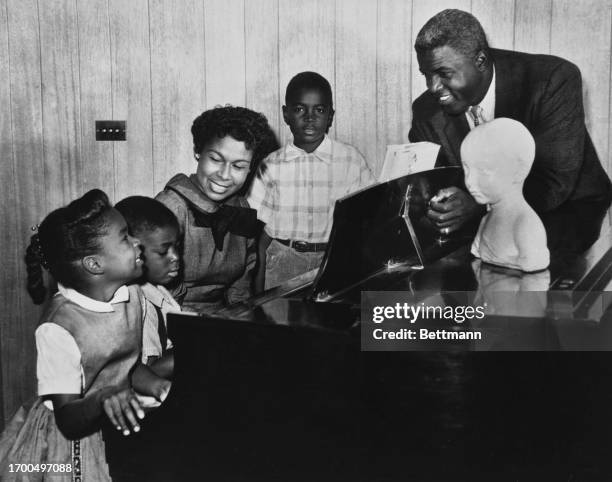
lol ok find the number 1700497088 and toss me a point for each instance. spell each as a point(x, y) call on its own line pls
point(51, 468)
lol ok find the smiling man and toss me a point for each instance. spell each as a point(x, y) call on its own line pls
point(469, 83)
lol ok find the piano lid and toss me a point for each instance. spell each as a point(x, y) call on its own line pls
point(385, 227)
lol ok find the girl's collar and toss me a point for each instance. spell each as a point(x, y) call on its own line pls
point(121, 296)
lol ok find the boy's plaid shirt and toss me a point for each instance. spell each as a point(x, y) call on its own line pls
point(294, 192)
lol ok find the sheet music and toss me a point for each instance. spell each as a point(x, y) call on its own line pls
point(404, 159)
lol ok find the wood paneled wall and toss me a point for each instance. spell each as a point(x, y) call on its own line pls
point(159, 63)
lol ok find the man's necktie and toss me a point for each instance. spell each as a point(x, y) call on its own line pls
point(476, 112)
point(161, 329)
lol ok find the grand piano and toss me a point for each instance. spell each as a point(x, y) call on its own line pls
point(283, 387)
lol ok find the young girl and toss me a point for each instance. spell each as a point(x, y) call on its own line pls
point(88, 343)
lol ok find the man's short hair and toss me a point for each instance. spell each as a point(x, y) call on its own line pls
point(308, 81)
point(144, 214)
point(455, 28)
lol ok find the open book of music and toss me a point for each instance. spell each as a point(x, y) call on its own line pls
point(403, 159)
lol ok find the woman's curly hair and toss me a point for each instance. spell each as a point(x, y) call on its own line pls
point(242, 124)
point(65, 236)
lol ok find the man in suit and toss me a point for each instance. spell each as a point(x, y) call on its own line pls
point(469, 83)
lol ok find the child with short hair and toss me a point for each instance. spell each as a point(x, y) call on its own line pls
point(88, 344)
point(297, 186)
point(158, 231)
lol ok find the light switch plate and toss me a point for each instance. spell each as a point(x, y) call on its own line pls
point(110, 130)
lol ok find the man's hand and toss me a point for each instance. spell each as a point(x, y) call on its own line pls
point(451, 208)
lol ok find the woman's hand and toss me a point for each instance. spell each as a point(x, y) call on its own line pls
point(123, 410)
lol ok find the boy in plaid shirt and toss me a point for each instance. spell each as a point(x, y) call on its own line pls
point(297, 186)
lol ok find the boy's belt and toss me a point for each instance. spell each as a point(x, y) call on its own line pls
point(303, 246)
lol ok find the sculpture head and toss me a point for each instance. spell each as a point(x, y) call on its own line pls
point(496, 158)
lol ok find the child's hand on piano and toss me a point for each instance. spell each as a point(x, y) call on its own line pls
point(123, 410)
point(152, 389)
point(161, 388)
point(149, 402)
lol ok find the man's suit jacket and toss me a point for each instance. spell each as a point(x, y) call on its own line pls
point(545, 94)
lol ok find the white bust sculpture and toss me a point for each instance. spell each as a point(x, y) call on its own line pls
point(497, 157)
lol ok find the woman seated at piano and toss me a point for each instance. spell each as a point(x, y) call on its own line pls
point(219, 229)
